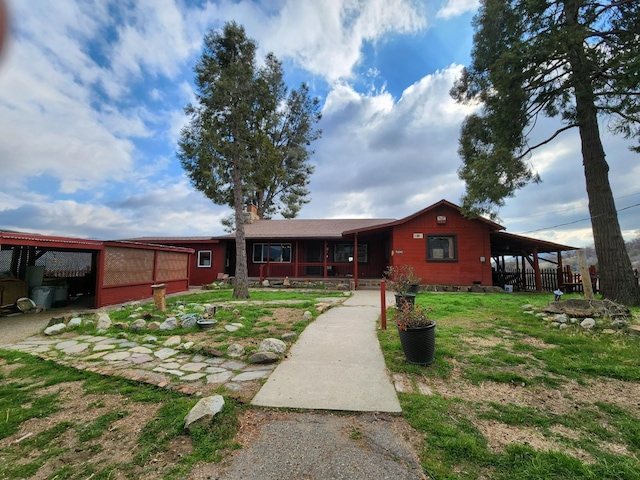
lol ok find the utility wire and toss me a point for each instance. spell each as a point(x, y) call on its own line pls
point(578, 221)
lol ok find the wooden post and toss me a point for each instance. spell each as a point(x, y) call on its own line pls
point(585, 276)
point(383, 305)
point(159, 300)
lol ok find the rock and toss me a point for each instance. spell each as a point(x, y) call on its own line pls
point(137, 325)
point(150, 339)
point(264, 357)
point(230, 328)
point(235, 350)
point(287, 337)
point(104, 321)
point(120, 325)
point(170, 323)
point(307, 316)
point(588, 323)
point(204, 411)
point(619, 323)
point(173, 341)
point(608, 331)
point(563, 326)
point(55, 329)
point(555, 324)
point(526, 306)
point(189, 320)
point(272, 345)
point(210, 309)
point(55, 321)
point(634, 330)
point(265, 283)
point(562, 318)
point(153, 326)
point(211, 352)
point(75, 322)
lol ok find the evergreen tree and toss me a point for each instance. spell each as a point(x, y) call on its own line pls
point(247, 136)
point(575, 60)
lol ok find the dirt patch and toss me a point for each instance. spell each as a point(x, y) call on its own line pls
point(117, 444)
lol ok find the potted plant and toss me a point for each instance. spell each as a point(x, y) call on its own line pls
point(403, 281)
point(417, 334)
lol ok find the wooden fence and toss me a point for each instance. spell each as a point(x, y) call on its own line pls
point(568, 281)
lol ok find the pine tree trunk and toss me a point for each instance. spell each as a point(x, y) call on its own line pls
point(617, 281)
point(241, 286)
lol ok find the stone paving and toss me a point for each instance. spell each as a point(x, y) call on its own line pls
point(167, 364)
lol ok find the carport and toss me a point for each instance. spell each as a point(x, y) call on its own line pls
point(94, 273)
point(527, 251)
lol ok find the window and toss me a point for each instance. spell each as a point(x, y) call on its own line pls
point(271, 252)
point(204, 258)
point(343, 252)
point(441, 248)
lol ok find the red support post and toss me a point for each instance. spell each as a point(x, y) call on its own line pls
point(383, 304)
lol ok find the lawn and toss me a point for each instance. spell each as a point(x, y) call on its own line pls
point(57, 422)
point(510, 396)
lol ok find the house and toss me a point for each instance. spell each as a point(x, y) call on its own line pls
point(443, 246)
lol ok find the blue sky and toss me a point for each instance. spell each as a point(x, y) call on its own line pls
point(92, 95)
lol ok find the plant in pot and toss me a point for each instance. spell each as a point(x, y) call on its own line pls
point(417, 334)
point(403, 281)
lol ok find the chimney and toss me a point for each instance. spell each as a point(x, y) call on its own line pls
point(251, 214)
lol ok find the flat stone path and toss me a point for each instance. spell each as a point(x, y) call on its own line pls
point(166, 364)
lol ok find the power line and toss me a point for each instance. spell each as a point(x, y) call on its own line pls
point(567, 210)
point(578, 221)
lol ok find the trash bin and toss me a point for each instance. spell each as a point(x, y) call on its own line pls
point(42, 296)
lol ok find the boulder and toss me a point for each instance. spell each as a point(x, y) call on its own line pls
point(137, 325)
point(634, 330)
point(204, 411)
point(104, 321)
point(235, 350)
point(170, 323)
point(272, 345)
point(588, 323)
point(55, 329)
point(289, 336)
point(189, 320)
point(75, 322)
point(307, 316)
point(173, 341)
point(264, 357)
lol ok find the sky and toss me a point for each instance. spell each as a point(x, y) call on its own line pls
point(92, 97)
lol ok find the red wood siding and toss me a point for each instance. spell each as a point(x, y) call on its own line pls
point(472, 243)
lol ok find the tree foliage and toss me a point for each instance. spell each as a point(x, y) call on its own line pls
point(575, 60)
point(247, 136)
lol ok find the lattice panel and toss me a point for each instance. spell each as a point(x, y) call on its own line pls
point(172, 266)
point(127, 265)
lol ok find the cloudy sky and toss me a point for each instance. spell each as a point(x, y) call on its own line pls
point(92, 95)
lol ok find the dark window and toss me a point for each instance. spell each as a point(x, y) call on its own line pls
point(343, 252)
point(274, 252)
point(441, 248)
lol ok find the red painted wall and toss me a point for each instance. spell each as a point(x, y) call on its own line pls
point(472, 243)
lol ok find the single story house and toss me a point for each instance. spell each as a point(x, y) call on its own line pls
point(443, 247)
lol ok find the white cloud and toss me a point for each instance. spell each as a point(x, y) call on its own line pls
point(455, 8)
point(326, 38)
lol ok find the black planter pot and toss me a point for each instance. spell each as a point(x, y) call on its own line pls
point(403, 299)
point(419, 344)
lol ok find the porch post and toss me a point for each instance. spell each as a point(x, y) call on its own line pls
point(325, 256)
point(536, 269)
point(560, 268)
point(355, 259)
point(524, 272)
point(296, 267)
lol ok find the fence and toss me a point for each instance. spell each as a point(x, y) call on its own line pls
point(526, 281)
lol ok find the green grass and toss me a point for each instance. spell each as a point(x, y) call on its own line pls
point(487, 339)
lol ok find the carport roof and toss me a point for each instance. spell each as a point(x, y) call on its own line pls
point(503, 243)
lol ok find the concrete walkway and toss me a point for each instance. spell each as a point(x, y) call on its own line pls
point(336, 364)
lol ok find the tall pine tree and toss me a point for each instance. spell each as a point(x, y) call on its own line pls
point(576, 60)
